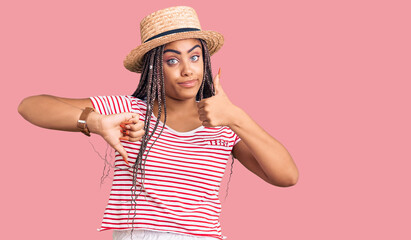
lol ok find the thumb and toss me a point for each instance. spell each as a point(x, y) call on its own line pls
point(120, 149)
point(217, 86)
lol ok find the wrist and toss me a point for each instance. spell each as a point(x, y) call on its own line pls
point(94, 122)
point(236, 116)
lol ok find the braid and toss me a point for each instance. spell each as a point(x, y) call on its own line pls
point(208, 91)
point(207, 86)
point(150, 88)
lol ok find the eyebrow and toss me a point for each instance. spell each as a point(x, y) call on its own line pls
point(178, 52)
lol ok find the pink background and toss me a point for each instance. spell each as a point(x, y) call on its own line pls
point(328, 79)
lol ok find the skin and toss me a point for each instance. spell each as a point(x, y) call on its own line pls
point(258, 151)
point(182, 61)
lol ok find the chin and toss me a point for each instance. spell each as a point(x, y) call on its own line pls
point(184, 97)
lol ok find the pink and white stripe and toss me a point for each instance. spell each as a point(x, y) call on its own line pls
point(183, 173)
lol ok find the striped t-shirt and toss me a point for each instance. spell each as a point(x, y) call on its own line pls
point(183, 172)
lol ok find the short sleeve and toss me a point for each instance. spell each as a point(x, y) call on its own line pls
point(236, 138)
point(107, 105)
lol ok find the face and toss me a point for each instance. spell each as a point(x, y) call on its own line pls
point(183, 68)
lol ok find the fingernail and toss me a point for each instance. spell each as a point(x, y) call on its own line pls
point(122, 125)
point(125, 160)
point(219, 72)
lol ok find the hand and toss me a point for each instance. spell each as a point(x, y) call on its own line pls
point(218, 109)
point(132, 130)
point(116, 127)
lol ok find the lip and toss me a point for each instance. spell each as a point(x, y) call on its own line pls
point(189, 83)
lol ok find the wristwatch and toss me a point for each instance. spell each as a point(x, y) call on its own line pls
point(82, 122)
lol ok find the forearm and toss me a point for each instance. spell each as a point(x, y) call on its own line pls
point(50, 112)
point(270, 154)
point(63, 113)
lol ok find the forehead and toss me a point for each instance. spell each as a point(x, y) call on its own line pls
point(183, 45)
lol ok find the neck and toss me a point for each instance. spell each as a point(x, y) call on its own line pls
point(176, 107)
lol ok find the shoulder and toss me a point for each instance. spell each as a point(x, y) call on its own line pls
point(118, 99)
point(116, 103)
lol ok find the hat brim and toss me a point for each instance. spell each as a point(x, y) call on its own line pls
point(134, 60)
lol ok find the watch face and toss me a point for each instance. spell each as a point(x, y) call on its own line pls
point(81, 124)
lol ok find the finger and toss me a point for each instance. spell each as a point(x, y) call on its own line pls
point(200, 104)
point(205, 124)
point(125, 123)
point(123, 131)
point(202, 118)
point(136, 134)
point(135, 115)
point(120, 149)
point(137, 126)
point(135, 139)
point(133, 136)
point(127, 117)
point(216, 82)
point(201, 108)
point(131, 125)
point(135, 119)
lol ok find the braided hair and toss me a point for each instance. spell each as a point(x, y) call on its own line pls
point(150, 88)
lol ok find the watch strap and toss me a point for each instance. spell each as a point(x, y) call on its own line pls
point(82, 122)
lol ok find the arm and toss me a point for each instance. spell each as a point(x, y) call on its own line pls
point(62, 114)
point(54, 112)
point(261, 153)
point(257, 150)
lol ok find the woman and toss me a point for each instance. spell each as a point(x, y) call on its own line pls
point(167, 177)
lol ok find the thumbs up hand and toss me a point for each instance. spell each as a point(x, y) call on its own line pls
point(218, 109)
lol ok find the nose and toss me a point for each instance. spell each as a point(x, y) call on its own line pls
point(186, 69)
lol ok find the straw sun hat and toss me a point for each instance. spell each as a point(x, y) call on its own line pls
point(168, 25)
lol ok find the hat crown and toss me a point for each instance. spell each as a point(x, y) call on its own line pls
point(167, 20)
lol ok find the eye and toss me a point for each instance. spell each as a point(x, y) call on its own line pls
point(172, 61)
point(195, 58)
